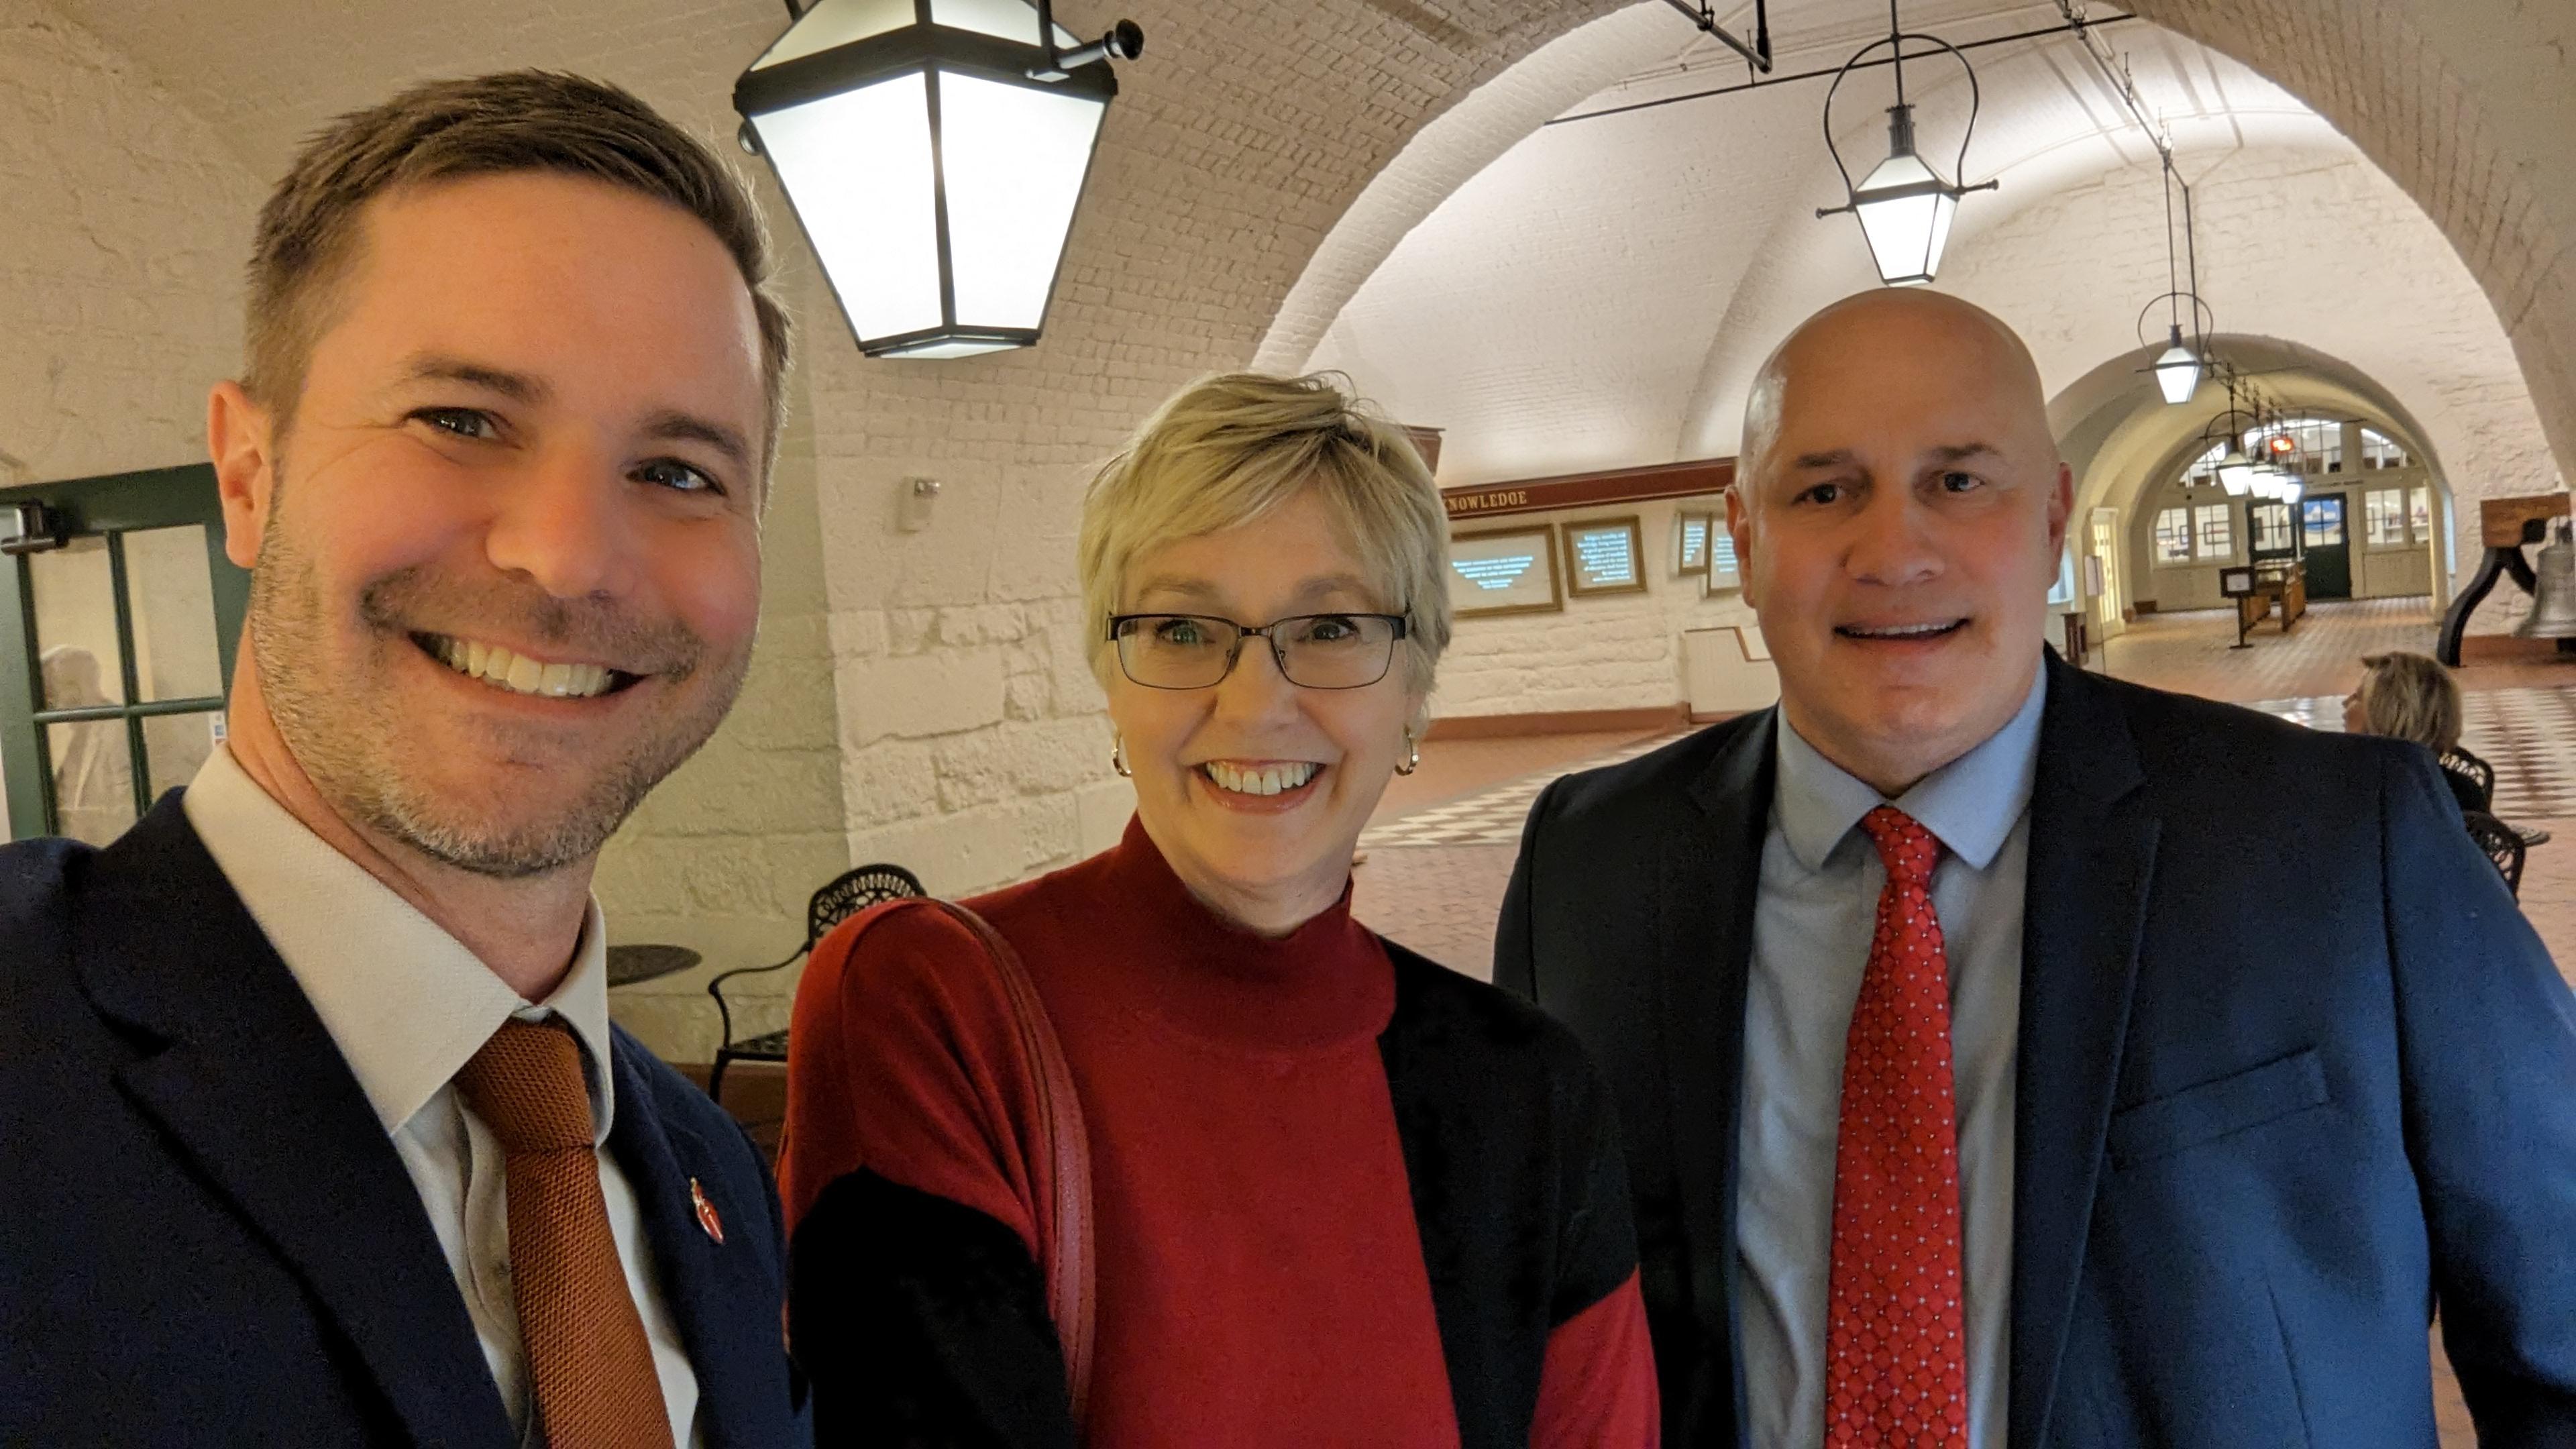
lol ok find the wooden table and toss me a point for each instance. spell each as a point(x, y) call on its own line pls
point(2284, 584)
point(2504, 526)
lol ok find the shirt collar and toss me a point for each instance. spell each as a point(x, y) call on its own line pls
point(406, 1003)
point(1971, 803)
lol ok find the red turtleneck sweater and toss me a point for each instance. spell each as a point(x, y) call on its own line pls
point(1260, 1276)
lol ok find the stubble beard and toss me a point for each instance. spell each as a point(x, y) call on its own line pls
point(347, 740)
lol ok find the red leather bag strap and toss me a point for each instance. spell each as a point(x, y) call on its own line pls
point(1069, 1271)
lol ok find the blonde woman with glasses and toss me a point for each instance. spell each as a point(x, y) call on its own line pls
point(1165, 1148)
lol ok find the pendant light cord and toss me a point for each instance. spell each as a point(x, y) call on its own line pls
point(1896, 47)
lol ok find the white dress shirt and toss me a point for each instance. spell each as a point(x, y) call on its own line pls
point(1814, 913)
point(408, 1005)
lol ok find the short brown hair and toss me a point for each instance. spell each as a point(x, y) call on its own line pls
point(525, 120)
point(2410, 697)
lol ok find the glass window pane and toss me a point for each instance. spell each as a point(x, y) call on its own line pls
point(857, 165)
point(171, 596)
point(93, 779)
point(2384, 516)
point(2420, 508)
point(839, 22)
point(76, 625)
point(2173, 535)
point(2324, 521)
point(174, 745)
point(2217, 530)
point(1013, 160)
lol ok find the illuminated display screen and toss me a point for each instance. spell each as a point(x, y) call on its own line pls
point(1605, 558)
point(1504, 571)
point(1695, 532)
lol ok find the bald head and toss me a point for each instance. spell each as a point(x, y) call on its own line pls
point(1901, 330)
point(1898, 515)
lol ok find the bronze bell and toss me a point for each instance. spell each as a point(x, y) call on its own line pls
point(2553, 594)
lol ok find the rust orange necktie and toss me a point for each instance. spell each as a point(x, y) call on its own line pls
point(1896, 1363)
point(590, 1365)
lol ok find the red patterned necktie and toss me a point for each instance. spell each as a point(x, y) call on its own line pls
point(1896, 1363)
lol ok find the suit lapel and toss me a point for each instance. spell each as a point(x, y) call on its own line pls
point(1709, 885)
point(2092, 852)
point(255, 1096)
point(726, 1305)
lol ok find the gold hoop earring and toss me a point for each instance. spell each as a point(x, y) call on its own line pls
point(1118, 757)
point(1413, 756)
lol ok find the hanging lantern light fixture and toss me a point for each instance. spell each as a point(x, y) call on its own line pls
point(2178, 368)
point(934, 151)
point(2238, 473)
point(1904, 207)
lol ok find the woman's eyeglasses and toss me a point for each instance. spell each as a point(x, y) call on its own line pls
point(1315, 651)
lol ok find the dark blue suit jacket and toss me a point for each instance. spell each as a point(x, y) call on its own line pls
point(206, 1237)
point(2293, 1069)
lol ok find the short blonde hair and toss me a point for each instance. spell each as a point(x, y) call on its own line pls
point(1228, 449)
point(2411, 697)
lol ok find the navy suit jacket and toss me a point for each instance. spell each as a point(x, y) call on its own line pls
point(206, 1237)
point(2293, 1070)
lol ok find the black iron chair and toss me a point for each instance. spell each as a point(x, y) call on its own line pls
point(847, 895)
point(2475, 774)
point(2502, 844)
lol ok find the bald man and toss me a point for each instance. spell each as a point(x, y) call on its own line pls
point(2012, 1057)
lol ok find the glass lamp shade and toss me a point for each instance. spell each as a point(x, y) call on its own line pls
point(1905, 212)
point(2290, 487)
point(2236, 473)
point(934, 179)
point(2177, 371)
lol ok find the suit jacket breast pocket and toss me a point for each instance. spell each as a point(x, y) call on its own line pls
point(2217, 1108)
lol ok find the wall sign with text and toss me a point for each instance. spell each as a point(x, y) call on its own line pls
point(1504, 571)
point(1691, 532)
point(1725, 575)
point(1605, 556)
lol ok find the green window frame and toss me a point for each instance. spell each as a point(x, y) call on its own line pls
point(110, 507)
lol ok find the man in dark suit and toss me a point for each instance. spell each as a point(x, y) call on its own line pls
point(2012, 1057)
point(313, 1127)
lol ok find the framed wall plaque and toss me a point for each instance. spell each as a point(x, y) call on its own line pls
point(1504, 571)
point(1605, 556)
point(1691, 532)
point(1725, 573)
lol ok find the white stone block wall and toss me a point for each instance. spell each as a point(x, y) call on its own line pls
point(124, 223)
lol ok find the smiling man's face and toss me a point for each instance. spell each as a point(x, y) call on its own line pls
point(507, 560)
point(1900, 517)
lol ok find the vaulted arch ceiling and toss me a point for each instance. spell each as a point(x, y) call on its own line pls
point(2121, 437)
point(1601, 291)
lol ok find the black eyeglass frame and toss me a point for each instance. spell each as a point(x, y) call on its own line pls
point(1234, 655)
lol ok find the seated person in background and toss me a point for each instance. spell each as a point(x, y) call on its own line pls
point(2412, 697)
point(1338, 1194)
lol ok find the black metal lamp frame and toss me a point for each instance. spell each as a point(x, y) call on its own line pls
point(1900, 127)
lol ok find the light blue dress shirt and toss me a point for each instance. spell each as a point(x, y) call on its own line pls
point(1812, 922)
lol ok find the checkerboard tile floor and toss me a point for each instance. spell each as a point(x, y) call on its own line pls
point(1489, 817)
point(2524, 733)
